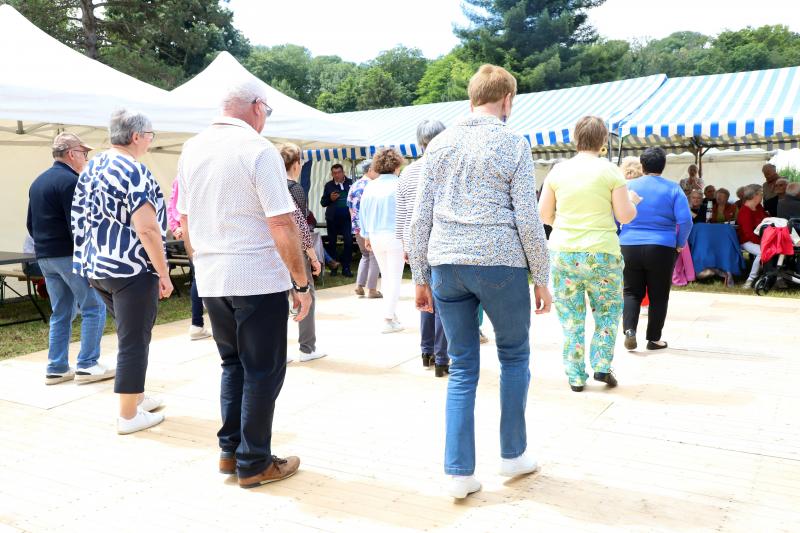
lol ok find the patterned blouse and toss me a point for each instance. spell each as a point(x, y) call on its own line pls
point(476, 203)
point(110, 189)
point(354, 202)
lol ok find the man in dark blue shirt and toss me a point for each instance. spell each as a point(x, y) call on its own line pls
point(49, 223)
point(337, 217)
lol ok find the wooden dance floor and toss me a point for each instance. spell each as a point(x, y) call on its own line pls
point(704, 436)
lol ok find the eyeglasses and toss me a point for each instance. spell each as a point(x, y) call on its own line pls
point(84, 152)
point(267, 108)
point(152, 133)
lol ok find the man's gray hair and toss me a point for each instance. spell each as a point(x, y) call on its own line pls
point(243, 94)
point(124, 124)
point(751, 191)
point(793, 189)
point(427, 130)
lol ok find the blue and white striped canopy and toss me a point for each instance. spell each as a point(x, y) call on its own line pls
point(546, 119)
point(741, 110)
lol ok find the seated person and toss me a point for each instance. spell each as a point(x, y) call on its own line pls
point(696, 206)
point(750, 216)
point(739, 195)
point(723, 211)
point(771, 205)
point(789, 205)
point(710, 192)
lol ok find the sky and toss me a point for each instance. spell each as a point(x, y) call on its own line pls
point(358, 30)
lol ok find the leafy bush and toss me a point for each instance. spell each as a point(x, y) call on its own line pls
point(790, 173)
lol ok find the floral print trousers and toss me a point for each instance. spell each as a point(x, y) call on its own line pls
point(598, 275)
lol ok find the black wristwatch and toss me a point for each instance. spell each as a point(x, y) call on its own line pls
point(299, 289)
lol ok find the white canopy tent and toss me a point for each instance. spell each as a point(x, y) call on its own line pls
point(290, 120)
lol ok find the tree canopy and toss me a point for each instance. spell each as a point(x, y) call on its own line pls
point(546, 44)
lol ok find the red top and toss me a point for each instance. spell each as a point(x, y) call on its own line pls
point(748, 220)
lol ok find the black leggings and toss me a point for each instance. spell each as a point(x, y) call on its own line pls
point(133, 302)
point(648, 268)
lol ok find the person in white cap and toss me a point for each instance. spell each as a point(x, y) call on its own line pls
point(49, 212)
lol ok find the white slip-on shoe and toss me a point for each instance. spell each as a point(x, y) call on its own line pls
point(53, 378)
point(316, 354)
point(392, 327)
point(462, 486)
point(197, 332)
point(150, 404)
point(97, 372)
point(142, 420)
point(524, 464)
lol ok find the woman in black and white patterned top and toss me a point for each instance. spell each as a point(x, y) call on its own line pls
point(119, 225)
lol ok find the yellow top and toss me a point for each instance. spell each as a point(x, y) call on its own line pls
point(584, 216)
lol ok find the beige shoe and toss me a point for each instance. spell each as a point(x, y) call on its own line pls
point(52, 379)
point(373, 293)
point(360, 291)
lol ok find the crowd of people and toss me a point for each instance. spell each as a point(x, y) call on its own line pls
point(465, 217)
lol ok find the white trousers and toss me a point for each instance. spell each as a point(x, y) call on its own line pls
point(754, 250)
point(389, 252)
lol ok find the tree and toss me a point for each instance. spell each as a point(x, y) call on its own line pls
point(286, 66)
point(679, 54)
point(445, 80)
point(162, 42)
point(754, 49)
point(534, 39)
point(405, 65)
point(378, 89)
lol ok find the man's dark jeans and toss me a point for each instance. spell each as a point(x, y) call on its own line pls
point(340, 225)
point(250, 332)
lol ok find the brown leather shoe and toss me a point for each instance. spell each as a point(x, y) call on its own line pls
point(279, 469)
point(227, 463)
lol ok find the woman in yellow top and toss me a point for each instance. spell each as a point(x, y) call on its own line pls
point(580, 199)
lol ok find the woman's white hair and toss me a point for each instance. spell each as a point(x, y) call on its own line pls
point(243, 94)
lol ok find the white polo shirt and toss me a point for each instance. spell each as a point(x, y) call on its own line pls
point(231, 180)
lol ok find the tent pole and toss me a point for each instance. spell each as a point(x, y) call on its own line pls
point(20, 129)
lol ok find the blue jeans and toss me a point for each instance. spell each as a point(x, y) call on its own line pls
point(433, 339)
point(68, 293)
point(504, 293)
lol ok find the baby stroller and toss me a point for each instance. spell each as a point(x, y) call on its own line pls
point(784, 268)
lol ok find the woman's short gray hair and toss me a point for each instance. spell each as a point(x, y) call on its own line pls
point(427, 130)
point(243, 94)
point(751, 191)
point(124, 124)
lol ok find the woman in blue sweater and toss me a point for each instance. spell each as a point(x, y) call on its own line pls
point(650, 244)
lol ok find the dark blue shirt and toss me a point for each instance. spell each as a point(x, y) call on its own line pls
point(339, 207)
point(49, 211)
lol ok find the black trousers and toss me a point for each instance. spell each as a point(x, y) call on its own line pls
point(250, 332)
point(340, 225)
point(133, 302)
point(648, 268)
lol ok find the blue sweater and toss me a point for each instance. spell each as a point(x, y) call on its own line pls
point(376, 213)
point(50, 211)
point(663, 207)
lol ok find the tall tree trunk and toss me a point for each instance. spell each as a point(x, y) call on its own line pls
point(89, 23)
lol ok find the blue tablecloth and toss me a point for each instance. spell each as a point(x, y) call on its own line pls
point(716, 246)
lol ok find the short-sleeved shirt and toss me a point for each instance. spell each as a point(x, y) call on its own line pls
point(231, 180)
point(109, 191)
point(584, 216)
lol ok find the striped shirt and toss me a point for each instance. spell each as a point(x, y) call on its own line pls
point(406, 198)
point(476, 203)
point(231, 181)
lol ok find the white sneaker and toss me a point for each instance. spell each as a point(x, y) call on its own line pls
point(748, 284)
point(392, 327)
point(150, 404)
point(142, 420)
point(524, 464)
point(305, 357)
point(196, 333)
point(97, 372)
point(462, 486)
point(52, 379)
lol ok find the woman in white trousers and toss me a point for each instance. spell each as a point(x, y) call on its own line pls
point(377, 219)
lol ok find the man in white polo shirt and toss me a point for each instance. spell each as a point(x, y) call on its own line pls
point(245, 246)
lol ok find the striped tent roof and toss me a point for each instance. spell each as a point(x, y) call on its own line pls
point(546, 119)
point(759, 109)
